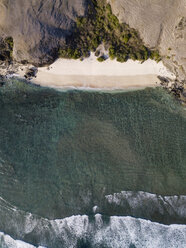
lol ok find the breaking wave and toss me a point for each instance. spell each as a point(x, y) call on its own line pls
point(82, 231)
point(7, 242)
point(164, 209)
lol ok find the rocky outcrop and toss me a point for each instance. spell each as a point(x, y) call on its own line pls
point(161, 24)
point(38, 27)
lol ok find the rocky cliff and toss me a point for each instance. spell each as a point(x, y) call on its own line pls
point(162, 24)
point(38, 27)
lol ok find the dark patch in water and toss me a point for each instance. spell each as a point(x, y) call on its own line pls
point(64, 151)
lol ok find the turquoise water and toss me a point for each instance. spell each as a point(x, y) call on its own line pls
point(62, 152)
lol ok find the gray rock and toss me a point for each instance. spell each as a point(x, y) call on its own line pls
point(161, 24)
point(38, 27)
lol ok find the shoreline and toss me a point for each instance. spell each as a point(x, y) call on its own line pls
point(107, 83)
point(90, 74)
point(107, 75)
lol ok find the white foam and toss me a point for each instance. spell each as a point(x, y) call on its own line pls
point(120, 232)
point(95, 209)
point(174, 205)
point(116, 232)
point(7, 242)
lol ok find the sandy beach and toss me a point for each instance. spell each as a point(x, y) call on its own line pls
point(106, 75)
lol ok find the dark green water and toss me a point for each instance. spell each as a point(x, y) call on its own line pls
point(62, 152)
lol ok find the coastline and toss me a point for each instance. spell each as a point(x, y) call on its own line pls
point(98, 82)
point(108, 75)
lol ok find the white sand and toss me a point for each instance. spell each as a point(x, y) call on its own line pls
point(108, 74)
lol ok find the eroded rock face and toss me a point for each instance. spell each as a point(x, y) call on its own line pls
point(38, 27)
point(161, 24)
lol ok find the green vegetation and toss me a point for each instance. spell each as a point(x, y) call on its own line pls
point(101, 59)
point(70, 53)
point(6, 49)
point(155, 55)
point(9, 41)
point(101, 26)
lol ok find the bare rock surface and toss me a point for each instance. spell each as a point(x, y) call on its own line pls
point(38, 27)
point(161, 24)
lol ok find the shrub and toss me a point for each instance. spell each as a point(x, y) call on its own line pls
point(101, 59)
point(108, 8)
point(126, 38)
point(6, 49)
point(10, 42)
point(102, 26)
point(111, 51)
point(69, 53)
point(122, 58)
point(140, 56)
point(155, 55)
point(80, 22)
point(76, 54)
point(133, 56)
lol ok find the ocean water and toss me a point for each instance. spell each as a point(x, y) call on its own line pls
point(74, 165)
point(81, 232)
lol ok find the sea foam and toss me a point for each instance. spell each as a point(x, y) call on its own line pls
point(117, 232)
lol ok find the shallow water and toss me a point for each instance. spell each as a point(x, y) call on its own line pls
point(62, 153)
